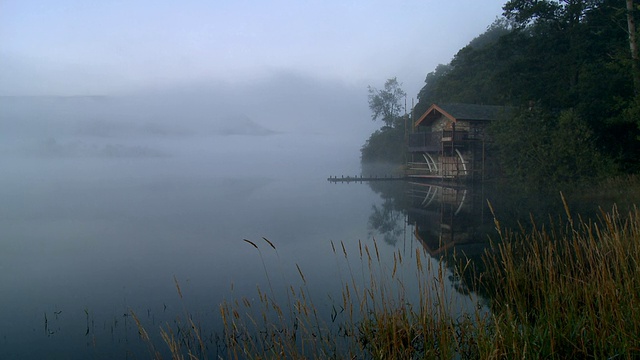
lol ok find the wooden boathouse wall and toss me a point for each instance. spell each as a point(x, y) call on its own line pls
point(449, 142)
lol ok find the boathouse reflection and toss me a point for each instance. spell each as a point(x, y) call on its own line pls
point(444, 217)
point(440, 216)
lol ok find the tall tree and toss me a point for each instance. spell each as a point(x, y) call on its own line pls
point(566, 12)
point(538, 148)
point(429, 93)
point(633, 46)
point(388, 143)
point(387, 104)
point(527, 12)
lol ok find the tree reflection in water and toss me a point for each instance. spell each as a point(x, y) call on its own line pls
point(387, 221)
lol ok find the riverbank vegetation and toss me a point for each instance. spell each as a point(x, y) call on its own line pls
point(566, 66)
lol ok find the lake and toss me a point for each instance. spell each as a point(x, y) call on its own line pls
point(95, 227)
point(107, 210)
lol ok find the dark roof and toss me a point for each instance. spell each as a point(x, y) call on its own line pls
point(458, 111)
point(473, 111)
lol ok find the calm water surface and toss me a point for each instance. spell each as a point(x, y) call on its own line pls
point(89, 234)
point(86, 239)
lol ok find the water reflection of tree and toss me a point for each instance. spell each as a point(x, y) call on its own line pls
point(388, 219)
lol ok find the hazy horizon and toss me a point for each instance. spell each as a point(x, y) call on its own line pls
point(72, 47)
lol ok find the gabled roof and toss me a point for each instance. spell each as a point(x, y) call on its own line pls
point(456, 112)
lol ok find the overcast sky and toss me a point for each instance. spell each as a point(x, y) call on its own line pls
point(82, 47)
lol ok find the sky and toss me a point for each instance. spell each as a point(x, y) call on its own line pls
point(79, 47)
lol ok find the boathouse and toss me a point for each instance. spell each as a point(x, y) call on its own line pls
point(449, 142)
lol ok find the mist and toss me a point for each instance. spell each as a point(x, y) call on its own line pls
point(274, 125)
point(106, 198)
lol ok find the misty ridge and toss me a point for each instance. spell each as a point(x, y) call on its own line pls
point(202, 117)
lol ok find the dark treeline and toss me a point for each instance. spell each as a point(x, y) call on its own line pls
point(568, 69)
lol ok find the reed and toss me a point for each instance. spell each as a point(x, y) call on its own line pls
point(265, 328)
point(570, 289)
point(386, 310)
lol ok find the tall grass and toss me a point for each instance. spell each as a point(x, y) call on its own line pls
point(385, 310)
point(567, 290)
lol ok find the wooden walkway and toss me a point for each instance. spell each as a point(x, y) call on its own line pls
point(347, 179)
point(409, 177)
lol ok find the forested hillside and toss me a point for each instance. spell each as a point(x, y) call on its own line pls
point(568, 67)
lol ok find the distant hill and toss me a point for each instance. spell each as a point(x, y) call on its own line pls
point(112, 117)
point(241, 125)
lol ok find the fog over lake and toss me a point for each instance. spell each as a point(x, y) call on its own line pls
point(104, 200)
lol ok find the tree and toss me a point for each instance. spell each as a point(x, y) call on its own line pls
point(473, 76)
point(387, 104)
point(536, 148)
point(429, 93)
point(387, 144)
point(633, 46)
point(528, 12)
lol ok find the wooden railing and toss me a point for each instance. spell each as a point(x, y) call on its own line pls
point(425, 141)
point(432, 141)
point(456, 136)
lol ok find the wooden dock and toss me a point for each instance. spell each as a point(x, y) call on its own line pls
point(348, 179)
point(431, 179)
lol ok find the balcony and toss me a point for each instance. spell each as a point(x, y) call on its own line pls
point(433, 141)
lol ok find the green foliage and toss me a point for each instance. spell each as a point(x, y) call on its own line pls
point(386, 144)
point(387, 104)
point(537, 148)
point(430, 92)
point(524, 12)
point(473, 76)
